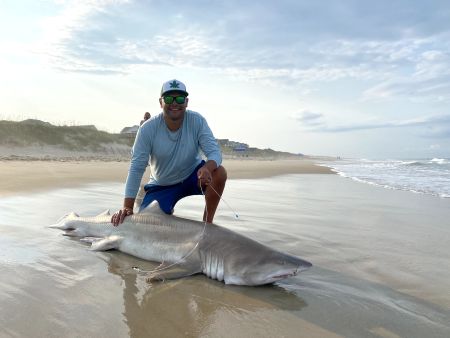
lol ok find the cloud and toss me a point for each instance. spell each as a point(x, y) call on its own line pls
point(436, 89)
point(430, 126)
point(308, 118)
point(428, 75)
point(388, 49)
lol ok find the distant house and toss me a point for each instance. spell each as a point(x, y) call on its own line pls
point(232, 144)
point(240, 148)
point(130, 130)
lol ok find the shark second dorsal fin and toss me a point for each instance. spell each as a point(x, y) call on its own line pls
point(104, 213)
point(69, 215)
point(153, 209)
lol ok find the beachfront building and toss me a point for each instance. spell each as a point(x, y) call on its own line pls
point(130, 132)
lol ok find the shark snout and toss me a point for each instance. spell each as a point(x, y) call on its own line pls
point(303, 266)
point(290, 267)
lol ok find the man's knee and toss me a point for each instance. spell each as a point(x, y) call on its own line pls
point(220, 175)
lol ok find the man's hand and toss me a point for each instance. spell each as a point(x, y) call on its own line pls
point(204, 176)
point(120, 215)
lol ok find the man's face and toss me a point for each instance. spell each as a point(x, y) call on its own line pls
point(174, 111)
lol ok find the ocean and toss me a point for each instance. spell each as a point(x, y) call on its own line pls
point(379, 266)
point(427, 176)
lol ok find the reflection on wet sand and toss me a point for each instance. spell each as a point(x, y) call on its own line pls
point(191, 306)
point(198, 306)
point(378, 270)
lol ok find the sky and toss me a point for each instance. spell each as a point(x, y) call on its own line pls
point(350, 78)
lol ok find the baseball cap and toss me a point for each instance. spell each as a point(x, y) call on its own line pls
point(173, 86)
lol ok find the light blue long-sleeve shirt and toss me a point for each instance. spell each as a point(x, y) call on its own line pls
point(173, 155)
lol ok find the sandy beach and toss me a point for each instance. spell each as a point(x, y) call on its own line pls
point(19, 176)
point(377, 254)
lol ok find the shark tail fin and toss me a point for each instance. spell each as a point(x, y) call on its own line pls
point(62, 224)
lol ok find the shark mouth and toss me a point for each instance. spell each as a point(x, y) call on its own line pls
point(285, 275)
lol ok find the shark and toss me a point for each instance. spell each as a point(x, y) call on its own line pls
point(185, 247)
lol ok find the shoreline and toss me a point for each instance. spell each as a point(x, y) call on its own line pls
point(373, 251)
point(24, 176)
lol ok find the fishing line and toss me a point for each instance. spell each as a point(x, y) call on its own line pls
point(234, 212)
point(159, 269)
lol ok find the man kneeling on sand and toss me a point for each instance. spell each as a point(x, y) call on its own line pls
point(172, 141)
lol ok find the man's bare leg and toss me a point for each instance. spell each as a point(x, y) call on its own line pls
point(219, 177)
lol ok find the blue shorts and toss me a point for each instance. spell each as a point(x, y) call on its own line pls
point(168, 195)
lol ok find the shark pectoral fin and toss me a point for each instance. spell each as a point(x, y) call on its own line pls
point(107, 243)
point(172, 271)
point(90, 240)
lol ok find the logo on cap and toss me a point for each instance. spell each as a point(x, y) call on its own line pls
point(174, 84)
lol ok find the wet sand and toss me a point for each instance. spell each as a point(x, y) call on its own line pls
point(19, 176)
point(378, 258)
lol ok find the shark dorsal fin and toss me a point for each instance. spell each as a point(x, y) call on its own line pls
point(153, 209)
point(104, 213)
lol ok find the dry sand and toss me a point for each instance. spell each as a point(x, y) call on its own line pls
point(20, 176)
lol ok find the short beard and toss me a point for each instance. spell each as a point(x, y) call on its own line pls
point(175, 119)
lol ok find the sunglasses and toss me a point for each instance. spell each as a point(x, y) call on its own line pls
point(177, 99)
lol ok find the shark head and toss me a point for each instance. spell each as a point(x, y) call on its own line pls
point(281, 265)
point(268, 268)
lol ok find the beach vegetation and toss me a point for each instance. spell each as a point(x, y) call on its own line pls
point(87, 138)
